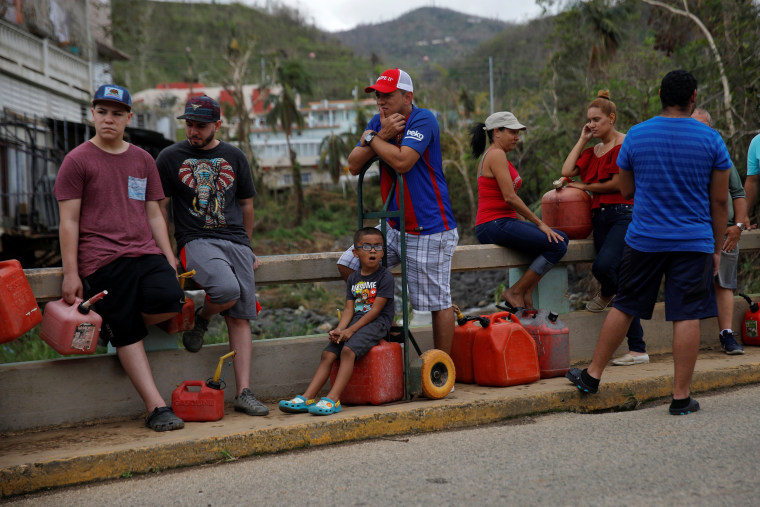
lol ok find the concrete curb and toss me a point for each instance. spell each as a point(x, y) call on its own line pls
point(419, 416)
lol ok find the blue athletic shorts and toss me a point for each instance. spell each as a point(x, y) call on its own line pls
point(689, 288)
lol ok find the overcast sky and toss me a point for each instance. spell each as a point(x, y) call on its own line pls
point(336, 15)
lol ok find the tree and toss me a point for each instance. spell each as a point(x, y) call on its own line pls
point(332, 151)
point(728, 107)
point(292, 79)
point(457, 154)
point(601, 16)
point(238, 61)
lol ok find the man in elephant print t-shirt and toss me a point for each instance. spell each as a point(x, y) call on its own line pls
point(209, 186)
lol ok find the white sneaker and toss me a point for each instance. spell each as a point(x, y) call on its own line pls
point(629, 360)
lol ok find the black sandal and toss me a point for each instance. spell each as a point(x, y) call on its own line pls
point(507, 307)
point(164, 419)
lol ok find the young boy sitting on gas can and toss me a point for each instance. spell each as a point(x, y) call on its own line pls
point(366, 319)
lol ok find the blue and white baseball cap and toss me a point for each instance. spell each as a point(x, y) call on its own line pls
point(113, 93)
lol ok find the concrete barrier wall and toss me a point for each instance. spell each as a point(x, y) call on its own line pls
point(75, 390)
point(79, 389)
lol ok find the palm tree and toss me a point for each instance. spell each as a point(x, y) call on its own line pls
point(292, 79)
point(607, 35)
point(332, 151)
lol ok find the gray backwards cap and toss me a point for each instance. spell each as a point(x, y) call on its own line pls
point(503, 119)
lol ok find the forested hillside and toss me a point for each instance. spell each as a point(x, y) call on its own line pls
point(428, 35)
point(545, 71)
point(173, 41)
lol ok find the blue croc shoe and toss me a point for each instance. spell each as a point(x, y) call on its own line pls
point(297, 405)
point(325, 406)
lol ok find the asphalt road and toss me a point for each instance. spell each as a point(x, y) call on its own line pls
point(643, 457)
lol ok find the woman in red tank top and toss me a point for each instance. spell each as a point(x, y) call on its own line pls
point(499, 206)
point(610, 212)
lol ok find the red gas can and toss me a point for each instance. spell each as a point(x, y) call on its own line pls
point(183, 321)
point(18, 309)
point(378, 376)
point(750, 334)
point(193, 400)
point(568, 210)
point(461, 347)
point(72, 329)
point(504, 354)
point(552, 341)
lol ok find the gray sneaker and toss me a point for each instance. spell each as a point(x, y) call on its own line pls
point(193, 339)
point(247, 402)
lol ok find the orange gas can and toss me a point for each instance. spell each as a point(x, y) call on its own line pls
point(18, 309)
point(72, 329)
point(552, 341)
point(504, 353)
point(461, 347)
point(183, 321)
point(378, 376)
point(750, 334)
point(568, 210)
point(193, 400)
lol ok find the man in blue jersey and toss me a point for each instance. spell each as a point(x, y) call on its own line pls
point(678, 168)
point(407, 140)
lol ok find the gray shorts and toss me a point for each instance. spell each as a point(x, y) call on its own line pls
point(225, 271)
point(364, 339)
point(729, 262)
point(428, 265)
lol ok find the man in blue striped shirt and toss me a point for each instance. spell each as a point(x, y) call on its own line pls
point(678, 169)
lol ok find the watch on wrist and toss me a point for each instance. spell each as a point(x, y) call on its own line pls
point(741, 226)
point(368, 137)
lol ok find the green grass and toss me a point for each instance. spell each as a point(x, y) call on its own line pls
point(30, 347)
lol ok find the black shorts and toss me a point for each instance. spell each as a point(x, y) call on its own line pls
point(136, 286)
point(689, 289)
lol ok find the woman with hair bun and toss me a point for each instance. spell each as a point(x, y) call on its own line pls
point(498, 207)
point(611, 213)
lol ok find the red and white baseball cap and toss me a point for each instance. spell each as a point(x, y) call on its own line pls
point(390, 81)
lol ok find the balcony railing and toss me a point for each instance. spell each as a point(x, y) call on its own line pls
point(30, 53)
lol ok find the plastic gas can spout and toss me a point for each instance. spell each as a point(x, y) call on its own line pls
point(753, 307)
point(84, 307)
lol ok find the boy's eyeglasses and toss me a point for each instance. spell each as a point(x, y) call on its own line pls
point(368, 248)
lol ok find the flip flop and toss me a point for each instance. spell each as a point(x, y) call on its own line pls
point(507, 307)
point(325, 406)
point(297, 405)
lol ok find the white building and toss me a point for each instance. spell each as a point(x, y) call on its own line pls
point(321, 119)
point(53, 55)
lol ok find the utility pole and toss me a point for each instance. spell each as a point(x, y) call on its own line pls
point(490, 78)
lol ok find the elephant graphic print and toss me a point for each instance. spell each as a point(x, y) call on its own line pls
point(209, 179)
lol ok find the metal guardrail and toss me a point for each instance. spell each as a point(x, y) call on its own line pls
point(321, 266)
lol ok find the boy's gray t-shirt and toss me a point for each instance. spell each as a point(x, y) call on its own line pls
point(363, 289)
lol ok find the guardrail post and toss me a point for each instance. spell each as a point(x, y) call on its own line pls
point(551, 293)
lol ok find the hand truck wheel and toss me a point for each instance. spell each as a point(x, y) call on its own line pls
point(438, 374)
